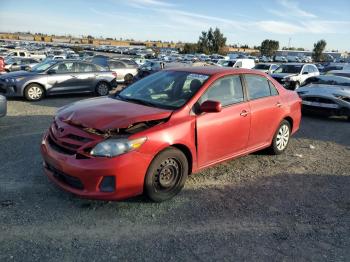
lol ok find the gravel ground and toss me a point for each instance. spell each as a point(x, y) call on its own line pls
point(292, 207)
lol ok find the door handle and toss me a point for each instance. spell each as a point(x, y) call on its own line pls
point(278, 104)
point(73, 76)
point(244, 113)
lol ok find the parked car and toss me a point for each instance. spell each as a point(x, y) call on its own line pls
point(265, 59)
point(237, 63)
point(292, 75)
point(58, 77)
point(19, 63)
point(150, 136)
point(125, 70)
point(3, 106)
point(280, 59)
point(24, 53)
point(328, 94)
point(293, 58)
point(266, 67)
point(344, 73)
point(150, 67)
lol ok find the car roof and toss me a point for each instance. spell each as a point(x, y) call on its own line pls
point(214, 70)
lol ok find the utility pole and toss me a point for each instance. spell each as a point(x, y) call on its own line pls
point(290, 39)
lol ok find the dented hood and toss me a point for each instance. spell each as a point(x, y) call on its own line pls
point(108, 113)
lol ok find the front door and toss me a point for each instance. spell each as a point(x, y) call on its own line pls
point(223, 134)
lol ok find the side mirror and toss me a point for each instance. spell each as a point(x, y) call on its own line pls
point(305, 73)
point(210, 107)
point(51, 72)
point(14, 64)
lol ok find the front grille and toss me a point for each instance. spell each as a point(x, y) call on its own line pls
point(59, 148)
point(319, 100)
point(66, 179)
point(62, 140)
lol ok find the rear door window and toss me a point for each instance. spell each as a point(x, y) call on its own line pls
point(257, 87)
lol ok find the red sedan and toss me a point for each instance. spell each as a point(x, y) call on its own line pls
point(149, 137)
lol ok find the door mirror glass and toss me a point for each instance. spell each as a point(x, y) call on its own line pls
point(305, 73)
point(210, 106)
point(51, 72)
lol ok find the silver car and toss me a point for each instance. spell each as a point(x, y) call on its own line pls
point(19, 63)
point(125, 69)
point(3, 106)
point(58, 77)
point(330, 94)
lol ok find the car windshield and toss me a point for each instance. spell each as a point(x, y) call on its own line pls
point(262, 66)
point(328, 80)
point(227, 62)
point(165, 89)
point(41, 67)
point(289, 69)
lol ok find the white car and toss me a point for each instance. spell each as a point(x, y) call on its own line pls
point(293, 75)
point(293, 58)
point(237, 63)
point(279, 58)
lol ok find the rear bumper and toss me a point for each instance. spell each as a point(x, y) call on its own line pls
point(84, 177)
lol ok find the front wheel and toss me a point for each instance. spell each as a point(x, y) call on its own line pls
point(166, 175)
point(34, 92)
point(281, 138)
point(102, 89)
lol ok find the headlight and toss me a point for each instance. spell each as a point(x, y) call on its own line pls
point(115, 147)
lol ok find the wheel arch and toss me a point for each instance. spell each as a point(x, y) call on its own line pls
point(33, 83)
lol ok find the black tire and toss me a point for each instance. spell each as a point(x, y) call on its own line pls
point(166, 175)
point(128, 79)
point(102, 88)
point(34, 92)
point(277, 146)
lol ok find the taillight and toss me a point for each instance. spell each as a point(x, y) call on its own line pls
point(114, 74)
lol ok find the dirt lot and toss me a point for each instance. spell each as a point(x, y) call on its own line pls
point(293, 207)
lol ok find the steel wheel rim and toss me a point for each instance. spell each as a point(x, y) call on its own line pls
point(35, 92)
point(168, 175)
point(282, 137)
point(103, 89)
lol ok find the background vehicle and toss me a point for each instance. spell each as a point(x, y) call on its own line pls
point(237, 63)
point(344, 73)
point(292, 58)
point(58, 77)
point(291, 75)
point(266, 67)
point(125, 70)
point(3, 106)
point(24, 53)
point(280, 59)
point(327, 94)
point(150, 67)
point(147, 130)
point(19, 63)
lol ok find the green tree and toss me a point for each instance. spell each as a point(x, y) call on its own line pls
point(190, 48)
point(269, 47)
point(211, 42)
point(317, 53)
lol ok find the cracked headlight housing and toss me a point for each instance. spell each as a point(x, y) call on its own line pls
point(115, 147)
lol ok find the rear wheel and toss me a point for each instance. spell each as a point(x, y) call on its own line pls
point(102, 89)
point(128, 79)
point(281, 138)
point(34, 92)
point(166, 175)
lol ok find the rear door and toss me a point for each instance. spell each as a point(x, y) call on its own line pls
point(266, 110)
point(85, 74)
point(223, 134)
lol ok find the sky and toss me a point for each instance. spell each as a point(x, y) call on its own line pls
point(300, 23)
